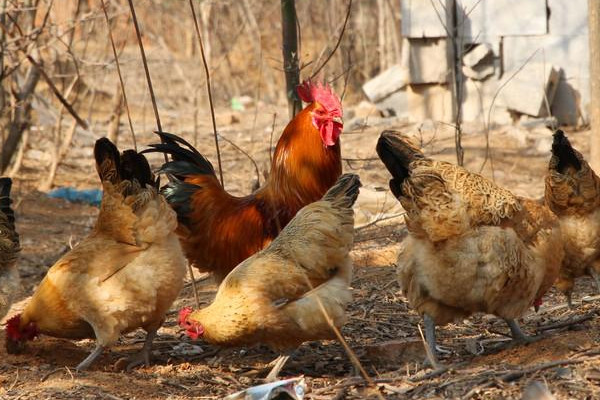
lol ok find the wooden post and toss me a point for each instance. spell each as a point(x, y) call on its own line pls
point(594, 45)
point(290, 55)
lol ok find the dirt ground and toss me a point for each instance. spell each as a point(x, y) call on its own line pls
point(382, 330)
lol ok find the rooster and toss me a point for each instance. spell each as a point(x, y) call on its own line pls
point(123, 276)
point(9, 249)
point(573, 194)
point(218, 230)
point(472, 246)
point(280, 295)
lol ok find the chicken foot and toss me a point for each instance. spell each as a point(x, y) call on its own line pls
point(592, 271)
point(278, 364)
point(143, 357)
point(430, 339)
point(516, 332)
point(90, 359)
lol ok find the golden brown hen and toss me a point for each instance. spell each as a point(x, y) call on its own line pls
point(472, 246)
point(277, 296)
point(573, 194)
point(9, 249)
point(123, 276)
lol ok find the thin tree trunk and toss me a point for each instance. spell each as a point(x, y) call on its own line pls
point(21, 119)
point(594, 38)
point(290, 55)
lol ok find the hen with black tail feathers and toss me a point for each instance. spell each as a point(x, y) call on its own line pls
point(124, 275)
point(573, 194)
point(9, 250)
point(472, 245)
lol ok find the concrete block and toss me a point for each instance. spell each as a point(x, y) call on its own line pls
point(394, 105)
point(568, 52)
point(478, 55)
point(479, 105)
point(429, 102)
point(428, 61)
point(387, 82)
point(531, 90)
point(571, 53)
point(420, 20)
point(568, 17)
point(488, 20)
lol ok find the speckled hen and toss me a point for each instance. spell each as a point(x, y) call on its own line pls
point(573, 194)
point(472, 245)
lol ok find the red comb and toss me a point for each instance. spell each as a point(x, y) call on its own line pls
point(183, 314)
point(310, 92)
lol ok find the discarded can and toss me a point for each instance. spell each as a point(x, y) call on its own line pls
point(294, 389)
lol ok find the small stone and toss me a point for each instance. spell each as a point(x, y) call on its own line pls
point(564, 373)
point(396, 352)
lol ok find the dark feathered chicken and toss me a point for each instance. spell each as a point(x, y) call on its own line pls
point(9, 249)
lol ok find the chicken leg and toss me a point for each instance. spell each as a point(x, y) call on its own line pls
point(569, 295)
point(516, 332)
point(592, 271)
point(430, 339)
point(143, 357)
point(90, 359)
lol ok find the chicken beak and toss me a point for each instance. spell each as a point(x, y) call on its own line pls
point(339, 120)
point(536, 308)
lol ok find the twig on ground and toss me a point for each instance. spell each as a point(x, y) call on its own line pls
point(12, 385)
point(570, 322)
point(518, 374)
point(436, 372)
point(354, 381)
point(49, 374)
point(377, 220)
point(202, 278)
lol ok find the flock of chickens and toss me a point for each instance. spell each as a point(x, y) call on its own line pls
point(281, 254)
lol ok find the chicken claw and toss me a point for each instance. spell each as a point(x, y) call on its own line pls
point(596, 277)
point(90, 359)
point(430, 339)
point(517, 334)
point(143, 357)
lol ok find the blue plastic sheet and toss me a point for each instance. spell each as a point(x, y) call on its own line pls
point(88, 196)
